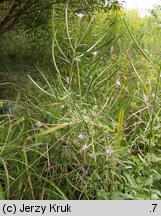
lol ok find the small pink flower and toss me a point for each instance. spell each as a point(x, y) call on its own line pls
point(94, 16)
point(110, 151)
point(145, 98)
point(80, 15)
point(39, 124)
point(118, 84)
point(82, 136)
point(95, 53)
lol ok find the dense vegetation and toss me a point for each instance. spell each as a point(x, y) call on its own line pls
point(80, 108)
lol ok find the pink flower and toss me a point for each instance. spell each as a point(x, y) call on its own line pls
point(80, 15)
point(118, 84)
point(95, 53)
point(110, 151)
point(145, 98)
point(94, 16)
point(39, 124)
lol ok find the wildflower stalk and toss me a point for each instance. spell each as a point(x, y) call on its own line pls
point(67, 27)
point(151, 127)
point(119, 127)
point(74, 54)
point(85, 32)
point(53, 51)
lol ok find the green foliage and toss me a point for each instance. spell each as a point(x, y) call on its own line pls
point(35, 14)
point(90, 129)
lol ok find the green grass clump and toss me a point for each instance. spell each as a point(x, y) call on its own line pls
point(92, 131)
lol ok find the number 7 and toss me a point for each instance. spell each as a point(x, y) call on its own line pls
point(155, 205)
